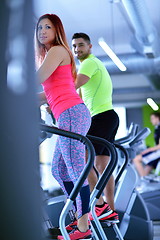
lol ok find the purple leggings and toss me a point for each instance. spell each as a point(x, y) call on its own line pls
point(69, 155)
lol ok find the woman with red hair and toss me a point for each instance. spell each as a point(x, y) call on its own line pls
point(56, 72)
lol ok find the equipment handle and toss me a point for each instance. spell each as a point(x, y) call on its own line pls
point(131, 133)
point(125, 163)
point(140, 136)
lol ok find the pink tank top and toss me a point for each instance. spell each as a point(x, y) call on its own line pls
point(60, 90)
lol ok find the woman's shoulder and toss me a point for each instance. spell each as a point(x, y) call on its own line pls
point(59, 49)
point(61, 53)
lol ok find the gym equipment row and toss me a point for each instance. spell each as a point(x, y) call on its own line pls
point(130, 205)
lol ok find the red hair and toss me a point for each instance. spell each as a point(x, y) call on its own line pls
point(60, 39)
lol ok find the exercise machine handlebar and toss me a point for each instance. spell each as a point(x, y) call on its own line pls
point(131, 133)
point(98, 189)
point(125, 163)
point(139, 137)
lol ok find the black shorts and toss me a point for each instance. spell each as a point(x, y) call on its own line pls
point(104, 125)
point(151, 158)
point(154, 163)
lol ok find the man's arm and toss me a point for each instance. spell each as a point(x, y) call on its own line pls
point(81, 80)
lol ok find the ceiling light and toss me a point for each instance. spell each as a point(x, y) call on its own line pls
point(111, 54)
point(152, 104)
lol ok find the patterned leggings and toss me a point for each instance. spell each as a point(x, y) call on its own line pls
point(69, 156)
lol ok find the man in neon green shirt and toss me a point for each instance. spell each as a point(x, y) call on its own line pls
point(95, 87)
point(97, 93)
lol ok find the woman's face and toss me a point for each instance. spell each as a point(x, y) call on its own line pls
point(46, 32)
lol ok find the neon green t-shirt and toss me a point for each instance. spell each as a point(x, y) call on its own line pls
point(97, 92)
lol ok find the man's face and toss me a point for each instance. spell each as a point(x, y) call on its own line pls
point(81, 48)
point(154, 120)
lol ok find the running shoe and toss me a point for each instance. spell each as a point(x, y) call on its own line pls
point(55, 231)
point(112, 218)
point(71, 226)
point(75, 234)
point(101, 212)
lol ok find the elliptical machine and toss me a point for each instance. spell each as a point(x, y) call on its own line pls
point(78, 185)
point(134, 216)
point(109, 169)
point(135, 220)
